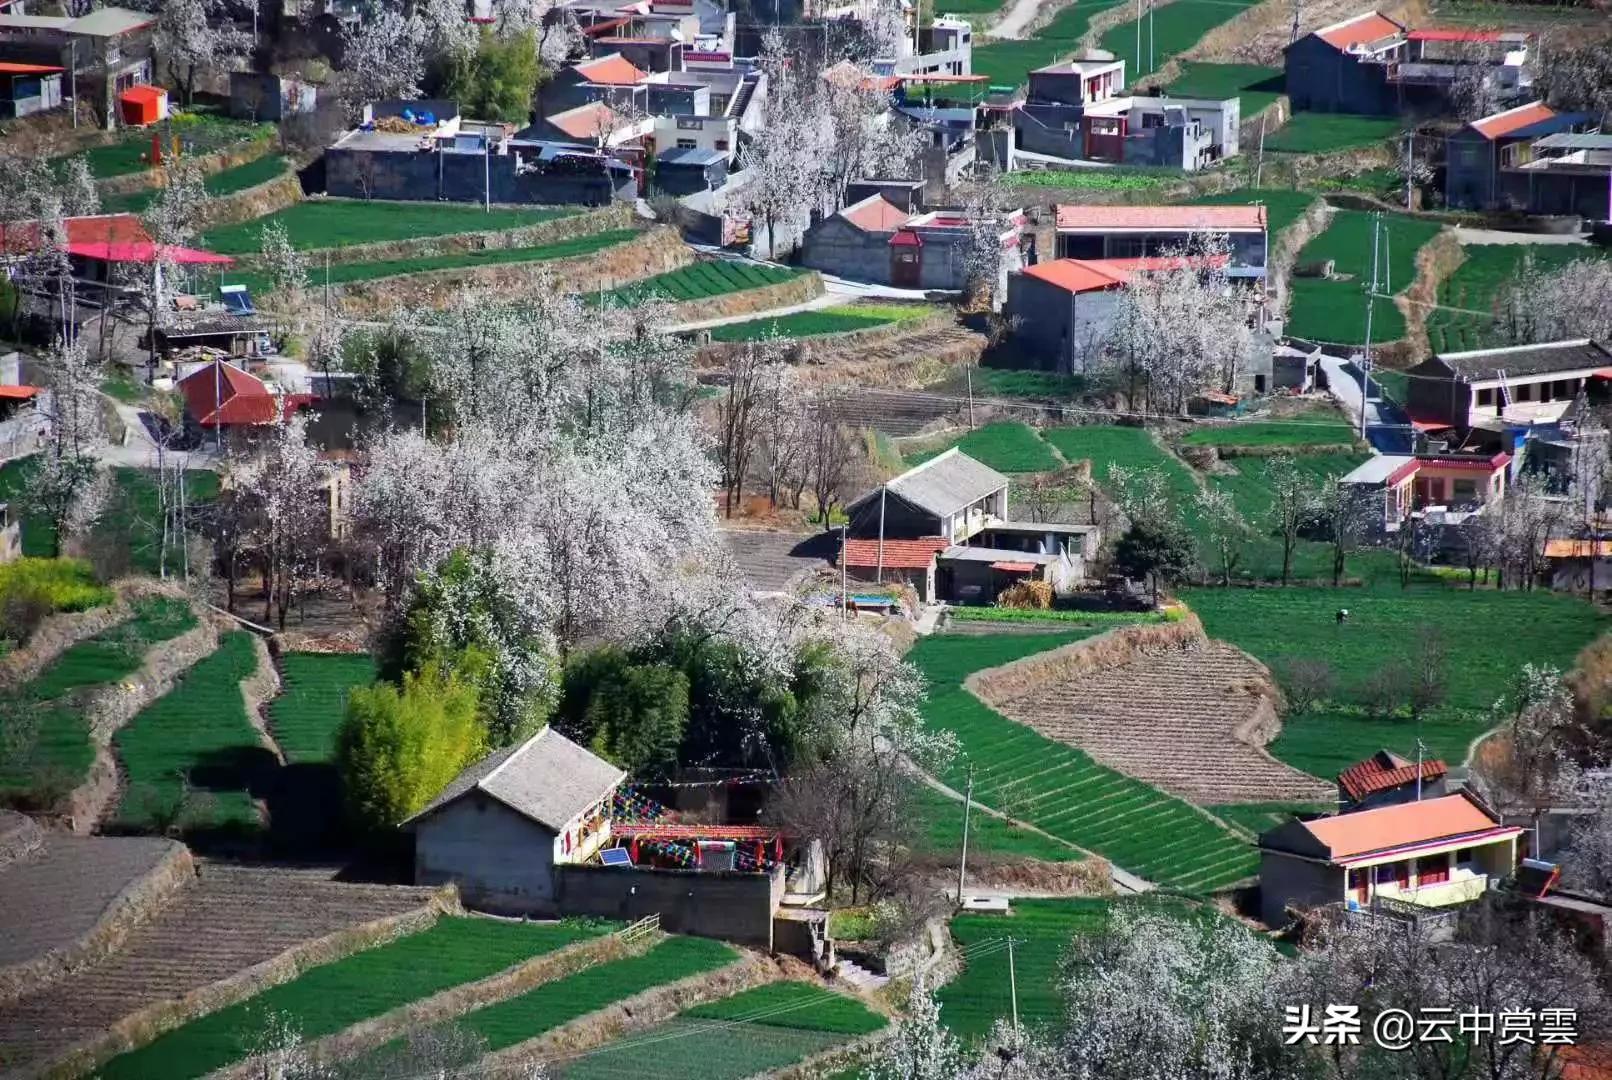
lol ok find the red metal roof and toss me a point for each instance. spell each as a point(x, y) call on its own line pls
point(1014, 567)
point(1361, 30)
point(613, 70)
point(1383, 771)
point(1162, 218)
point(18, 393)
point(8, 68)
point(1404, 472)
point(906, 238)
point(245, 399)
point(898, 554)
point(109, 237)
point(875, 214)
point(1366, 833)
point(145, 95)
point(1502, 124)
point(1489, 465)
point(1077, 275)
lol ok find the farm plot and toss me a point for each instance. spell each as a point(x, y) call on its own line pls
point(1169, 718)
point(1325, 133)
point(322, 223)
point(1254, 87)
point(1480, 281)
point(47, 738)
point(192, 755)
point(752, 1032)
point(1280, 625)
point(1009, 63)
point(202, 132)
point(940, 832)
point(313, 699)
point(1334, 310)
point(1258, 817)
point(1323, 426)
point(1060, 789)
point(1173, 29)
point(133, 511)
point(1006, 445)
point(1282, 206)
point(1117, 179)
point(829, 320)
point(333, 996)
point(701, 280)
point(1130, 448)
point(555, 1003)
point(227, 182)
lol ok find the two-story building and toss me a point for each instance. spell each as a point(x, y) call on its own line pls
point(1344, 67)
point(873, 240)
point(102, 53)
point(1490, 164)
point(1136, 232)
point(1399, 487)
point(1493, 390)
point(1433, 853)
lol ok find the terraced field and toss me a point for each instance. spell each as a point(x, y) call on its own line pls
point(703, 279)
point(940, 821)
point(1384, 625)
point(770, 1027)
point(1171, 29)
point(322, 223)
point(1061, 789)
point(1325, 133)
point(232, 918)
point(1283, 206)
point(197, 733)
point(313, 700)
point(1479, 282)
point(47, 737)
point(830, 320)
point(1258, 817)
point(1009, 63)
point(1316, 427)
point(1334, 310)
point(1169, 718)
point(1006, 445)
point(226, 182)
point(1254, 87)
point(330, 997)
point(1131, 448)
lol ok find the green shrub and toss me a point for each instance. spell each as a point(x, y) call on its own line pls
point(42, 586)
point(398, 748)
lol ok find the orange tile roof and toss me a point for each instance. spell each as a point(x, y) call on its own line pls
point(18, 393)
point(1576, 549)
point(1502, 124)
point(1365, 831)
point(1076, 275)
point(1361, 30)
point(1383, 771)
point(9, 68)
point(584, 121)
point(612, 70)
point(1162, 218)
point(875, 214)
point(898, 554)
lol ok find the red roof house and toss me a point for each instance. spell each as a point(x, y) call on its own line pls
point(222, 395)
point(1385, 778)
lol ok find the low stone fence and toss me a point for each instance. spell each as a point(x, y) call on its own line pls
point(208, 164)
point(803, 350)
point(1012, 681)
point(256, 201)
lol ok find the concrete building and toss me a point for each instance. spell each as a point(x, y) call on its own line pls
point(1433, 853)
point(705, 110)
point(26, 89)
point(1344, 67)
point(1525, 157)
point(104, 53)
point(500, 829)
point(1499, 389)
point(261, 96)
point(1443, 489)
point(944, 47)
point(1134, 232)
point(877, 242)
point(1387, 779)
point(1073, 111)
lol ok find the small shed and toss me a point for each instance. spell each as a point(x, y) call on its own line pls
point(502, 826)
point(141, 106)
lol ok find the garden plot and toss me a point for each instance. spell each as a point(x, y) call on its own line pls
point(192, 756)
point(1480, 282)
point(1171, 718)
point(1487, 636)
point(701, 280)
point(1334, 310)
point(219, 184)
point(1060, 789)
point(1170, 30)
point(313, 700)
point(1006, 445)
point(230, 919)
point(1255, 87)
point(830, 320)
point(1319, 426)
point(1326, 133)
point(326, 999)
point(46, 734)
point(325, 223)
point(770, 1027)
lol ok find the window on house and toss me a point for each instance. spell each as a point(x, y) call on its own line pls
point(1464, 856)
point(1465, 491)
point(721, 144)
point(687, 144)
point(1486, 398)
point(1525, 392)
point(1393, 874)
point(1433, 870)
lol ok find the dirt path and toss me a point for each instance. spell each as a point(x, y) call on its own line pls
point(1016, 19)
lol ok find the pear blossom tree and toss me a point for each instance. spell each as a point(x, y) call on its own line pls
point(65, 486)
point(383, 59)
point(173, 220)
point(1555, 305)
point(281, 487)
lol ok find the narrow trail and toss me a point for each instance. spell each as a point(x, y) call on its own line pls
point(1016, 19)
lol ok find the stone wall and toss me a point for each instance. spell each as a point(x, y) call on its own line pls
point(729, 905)
point(1011, 681)
point(750, 301)
point(256, 201)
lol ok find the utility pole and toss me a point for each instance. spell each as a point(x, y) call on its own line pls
point(1138, 36)
point(1371, 300)
point(1293, 35)
point(880, 577)
point(845, 599)
point(72, 67)
point(1152, 40)
point(1410, 163)
point(487, 169)
point(962, 863)
point(1013, 991)
point(968, 373)
point(1420, 750)
point(1259, 165)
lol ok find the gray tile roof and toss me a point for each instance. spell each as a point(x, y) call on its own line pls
point(1527, 359)
point(947, 483)
point(547, 778)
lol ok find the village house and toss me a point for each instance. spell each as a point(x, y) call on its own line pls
point(26, 89)
point(704, 110)
point(1433, 853)
point(101, 55)
point(262, 96)
point(1135, 232)
point(1531, 158)
point(1387, 779)
point(875, 241)
point(1581, 566)
point(1442, 488)
point(1496, 390)
point(943, 528)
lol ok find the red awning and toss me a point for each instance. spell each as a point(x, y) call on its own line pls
point(1429, 425)
point(28, 69)
point(1014, 567)
point(18, 393)
point(1604, 373)
point(906, 238)
point(143, 251)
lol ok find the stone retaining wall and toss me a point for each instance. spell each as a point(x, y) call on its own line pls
point(256, 201)
point(216, 162)
point(797, 290)
point(804, 350)
point(1012, 681)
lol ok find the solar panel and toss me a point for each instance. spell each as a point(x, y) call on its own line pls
point(237, 301)
point(615, 856)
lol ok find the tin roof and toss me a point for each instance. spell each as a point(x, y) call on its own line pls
point(548, 778)
point(1362, 29)
point(1512, 121)
point(1384, 771)
point(948, 482)
point(1450, 817)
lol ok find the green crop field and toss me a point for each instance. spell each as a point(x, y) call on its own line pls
point(1116, 179)
point(703, 279)
point(133, 507)
point(322, 223)
point(1132, 448)
point(1005, 382)
point(197, 731)
point(47, 738)
point(313, 700)
point(940, 821)
point(200, 132)
point(535, 1012)
point(1324, 133)
point(1282, 206)
point(226, 182)
point(829, 320)
point(1061, 789)
point(333, 996)
point(1041, 932)
point(1171, 29)
point(1487, 635)
point(342, 273)
point(1480, 282)
point(1254, 86)
point(1320, 427)
point(1335, 310)
point(1009, 63)
point(1258, 817)
point(1006, 445)
point(752, 1032)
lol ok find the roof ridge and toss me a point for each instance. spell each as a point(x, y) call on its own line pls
point(1351, 20)
point(1563, 344)
point(513, 754)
